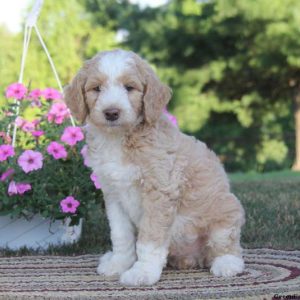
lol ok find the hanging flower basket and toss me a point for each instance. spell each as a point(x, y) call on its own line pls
point(36, 232)
point(46, 173)
point(46, 187)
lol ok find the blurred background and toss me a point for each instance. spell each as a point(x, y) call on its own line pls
point(233, 65)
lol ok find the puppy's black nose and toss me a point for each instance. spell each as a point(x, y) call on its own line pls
point(112, 114)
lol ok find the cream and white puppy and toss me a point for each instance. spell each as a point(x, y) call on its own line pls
point(166, 194)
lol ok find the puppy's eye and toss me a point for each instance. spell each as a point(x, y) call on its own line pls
point(97, 89)
point(129, 88)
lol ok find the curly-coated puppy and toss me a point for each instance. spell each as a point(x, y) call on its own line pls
point(166, 194)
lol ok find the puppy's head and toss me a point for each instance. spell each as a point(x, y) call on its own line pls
point(116, 90)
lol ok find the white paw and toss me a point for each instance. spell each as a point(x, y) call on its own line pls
point(141, 274)
point(227, 265)
point(114, 264)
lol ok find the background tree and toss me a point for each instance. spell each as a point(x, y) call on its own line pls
point(70, 37)
point(233, 66)
point(234, 69)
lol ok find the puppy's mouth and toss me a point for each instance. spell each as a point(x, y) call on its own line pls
point(112, 124)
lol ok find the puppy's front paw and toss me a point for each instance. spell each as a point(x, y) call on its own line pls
point(227, 265)
point(141, 274)
point(114, 264)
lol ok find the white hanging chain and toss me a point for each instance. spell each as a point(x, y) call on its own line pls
point(31, 23)
point(27, 35)
point(52, 66)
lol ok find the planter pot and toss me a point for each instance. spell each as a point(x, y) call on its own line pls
point(37, 232)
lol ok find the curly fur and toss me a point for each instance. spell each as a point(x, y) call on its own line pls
point(167, 195)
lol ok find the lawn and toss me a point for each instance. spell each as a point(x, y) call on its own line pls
point(272, 205)
point(271, 202)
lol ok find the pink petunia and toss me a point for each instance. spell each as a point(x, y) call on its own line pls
point(23, 187)
point(84, 155)
point(8, 113)
point(20, 122)
point(96, 181)
point(171, 118)
point(50, 93)
point(36, 102)
point(37, 133)
point(57, 150)
point(30, 160)
point(5, 137)
point(18, 188)
point(69, 205)
point(35, 94)
point(58, 112)
point(27, 126)
point(16, 90)
point(6, 151)
point(72, 135)
point(7, 174)
point(12, 188)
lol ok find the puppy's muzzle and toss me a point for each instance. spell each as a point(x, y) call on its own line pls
point(112, 114)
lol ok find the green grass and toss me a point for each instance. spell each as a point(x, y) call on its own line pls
point(274, 176)
point(272, 213)
point(271, 202)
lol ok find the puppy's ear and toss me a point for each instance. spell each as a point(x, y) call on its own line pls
point(74, 96)
point(156, 94)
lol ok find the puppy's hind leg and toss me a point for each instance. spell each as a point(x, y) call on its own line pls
point(223, 251)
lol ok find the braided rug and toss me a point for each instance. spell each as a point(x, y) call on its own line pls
point(269, 274)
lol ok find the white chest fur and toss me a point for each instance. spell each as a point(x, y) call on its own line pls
point(120, 180)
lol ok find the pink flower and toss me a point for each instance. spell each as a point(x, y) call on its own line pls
point(37, 133)
point(58, 112)
point(35, 94)
point(50, 93)
point(6, 151)
point(84, 155)
point(18, 188)
point(57, 150)
point(5, 137)
point(12, 188)
point(27, 126)
point(30, 160)
point(36, 102)
point(20, 122)
point(16, 90)
point(23, 187)
point(95, 179)
point(8, 113)
point(7, 174)
point(69, 205)
point(72, 135)
point(171, 118)
point(35, 97)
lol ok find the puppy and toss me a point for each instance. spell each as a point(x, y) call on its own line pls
point(166, 194)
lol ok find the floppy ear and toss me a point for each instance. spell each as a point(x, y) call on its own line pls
point(74, 96)
point(156, 94)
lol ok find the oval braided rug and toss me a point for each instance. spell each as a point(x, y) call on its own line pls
point(268, 274)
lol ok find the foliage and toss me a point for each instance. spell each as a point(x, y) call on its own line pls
point(59, 176)
point(267, 203)
point(70, 38)
point(233, 67)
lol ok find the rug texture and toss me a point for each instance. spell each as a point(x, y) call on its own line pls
point(269, 274)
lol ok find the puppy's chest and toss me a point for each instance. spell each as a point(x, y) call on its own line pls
point(118, 177)
point(109, 163)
